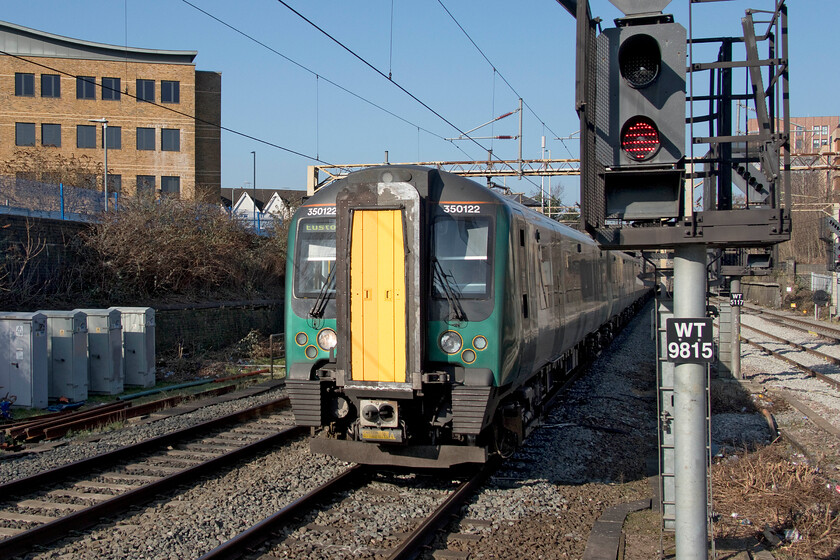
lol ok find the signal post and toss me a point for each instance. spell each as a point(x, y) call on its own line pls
point(637, 193)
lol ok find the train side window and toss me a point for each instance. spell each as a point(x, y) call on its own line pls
point(579, 248)
point(521, 237)
point(525, 306)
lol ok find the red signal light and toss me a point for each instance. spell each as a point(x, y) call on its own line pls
point(640, 138)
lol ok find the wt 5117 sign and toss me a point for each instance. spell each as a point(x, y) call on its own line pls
point(689, 340)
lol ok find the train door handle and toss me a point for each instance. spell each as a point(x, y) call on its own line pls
point(387, 295)
point(367, 294)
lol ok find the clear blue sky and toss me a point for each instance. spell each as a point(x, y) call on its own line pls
point(530, 42)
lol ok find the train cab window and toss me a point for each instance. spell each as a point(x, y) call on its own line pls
point(315, 256)
point(460, 258)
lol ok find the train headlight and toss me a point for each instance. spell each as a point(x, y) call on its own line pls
point(301, 339)
point(480, 343)
point(311, 352)
point(450, 342)
point(327, 339)
point(468, 356)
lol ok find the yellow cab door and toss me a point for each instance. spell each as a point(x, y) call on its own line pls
point(377, 296)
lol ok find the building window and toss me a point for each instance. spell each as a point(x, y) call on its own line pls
point(145, 138)
point(146, 90)
point(111, 89)
point(113, 137)
point(170, 91)
point(50, 85)
point(24, 84)
point(51, 135)
point(114, 183)
point(85, 136)
point(24, 134)
point(170, 140)
point(816, 144)
point(145, 185)
point(170, 185)
point(825, 130)
point(85, 87)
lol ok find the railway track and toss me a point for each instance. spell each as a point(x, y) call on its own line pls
point(805, 368)
point(794, 322)
point(57, 425)
point(800, 436)
point(358, 486)
point(47, 506)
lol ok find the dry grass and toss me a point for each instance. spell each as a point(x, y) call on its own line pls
point(767, 489)
point(730, 397)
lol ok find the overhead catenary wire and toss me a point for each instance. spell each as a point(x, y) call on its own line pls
point(385, 76)
point(496, 71)
point(303, 67)
point(176, 111)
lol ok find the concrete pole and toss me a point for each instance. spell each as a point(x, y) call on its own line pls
point(690, 413)
point(735, 345)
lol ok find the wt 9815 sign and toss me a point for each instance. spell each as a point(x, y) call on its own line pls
point(689, 340)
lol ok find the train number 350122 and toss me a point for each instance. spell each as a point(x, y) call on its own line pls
point(461, 208)
point(321, 211)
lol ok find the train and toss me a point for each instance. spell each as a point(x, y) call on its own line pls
point(430, 319)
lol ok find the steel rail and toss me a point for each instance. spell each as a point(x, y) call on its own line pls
point(795, 323)
point(53, 427)
point(54, 530)
point(102, 460)
point(807, 350)
point(262, 531)
point(822, 377)
point(422, 534)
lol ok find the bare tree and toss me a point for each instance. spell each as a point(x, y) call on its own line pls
point(812, 198)
point(53, 167)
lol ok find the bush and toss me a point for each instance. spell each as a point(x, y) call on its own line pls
point(169, 248)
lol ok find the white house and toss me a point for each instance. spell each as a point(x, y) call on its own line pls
point(260, 208)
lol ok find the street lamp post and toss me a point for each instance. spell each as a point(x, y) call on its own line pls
point(104, 122)
point(255, 189)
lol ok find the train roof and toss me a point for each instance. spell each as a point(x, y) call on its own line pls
point(442, 185)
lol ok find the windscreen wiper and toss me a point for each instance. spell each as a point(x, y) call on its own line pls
point(449, 292)
point(324, 295)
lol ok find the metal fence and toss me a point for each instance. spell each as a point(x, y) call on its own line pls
point(37, 199)
point(47, 200)
point(821, 282)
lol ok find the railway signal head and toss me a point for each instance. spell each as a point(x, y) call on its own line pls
point(645, 68)
point(640, 112)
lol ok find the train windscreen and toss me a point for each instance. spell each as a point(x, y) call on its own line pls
point(315, 256)
point(460, 261)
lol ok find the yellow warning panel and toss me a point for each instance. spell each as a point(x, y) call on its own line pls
point(377, 296)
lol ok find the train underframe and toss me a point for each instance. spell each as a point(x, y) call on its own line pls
point(444, 423)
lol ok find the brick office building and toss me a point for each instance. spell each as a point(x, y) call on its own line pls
point(160, 112)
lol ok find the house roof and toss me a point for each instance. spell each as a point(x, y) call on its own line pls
point(261, 197)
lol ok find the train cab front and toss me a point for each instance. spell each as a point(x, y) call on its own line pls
point(380, 352)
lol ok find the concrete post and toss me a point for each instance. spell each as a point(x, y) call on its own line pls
point(735, 286)
point(690, 413)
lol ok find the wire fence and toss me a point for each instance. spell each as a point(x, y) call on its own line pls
point(37, 199)
point(48, 200)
